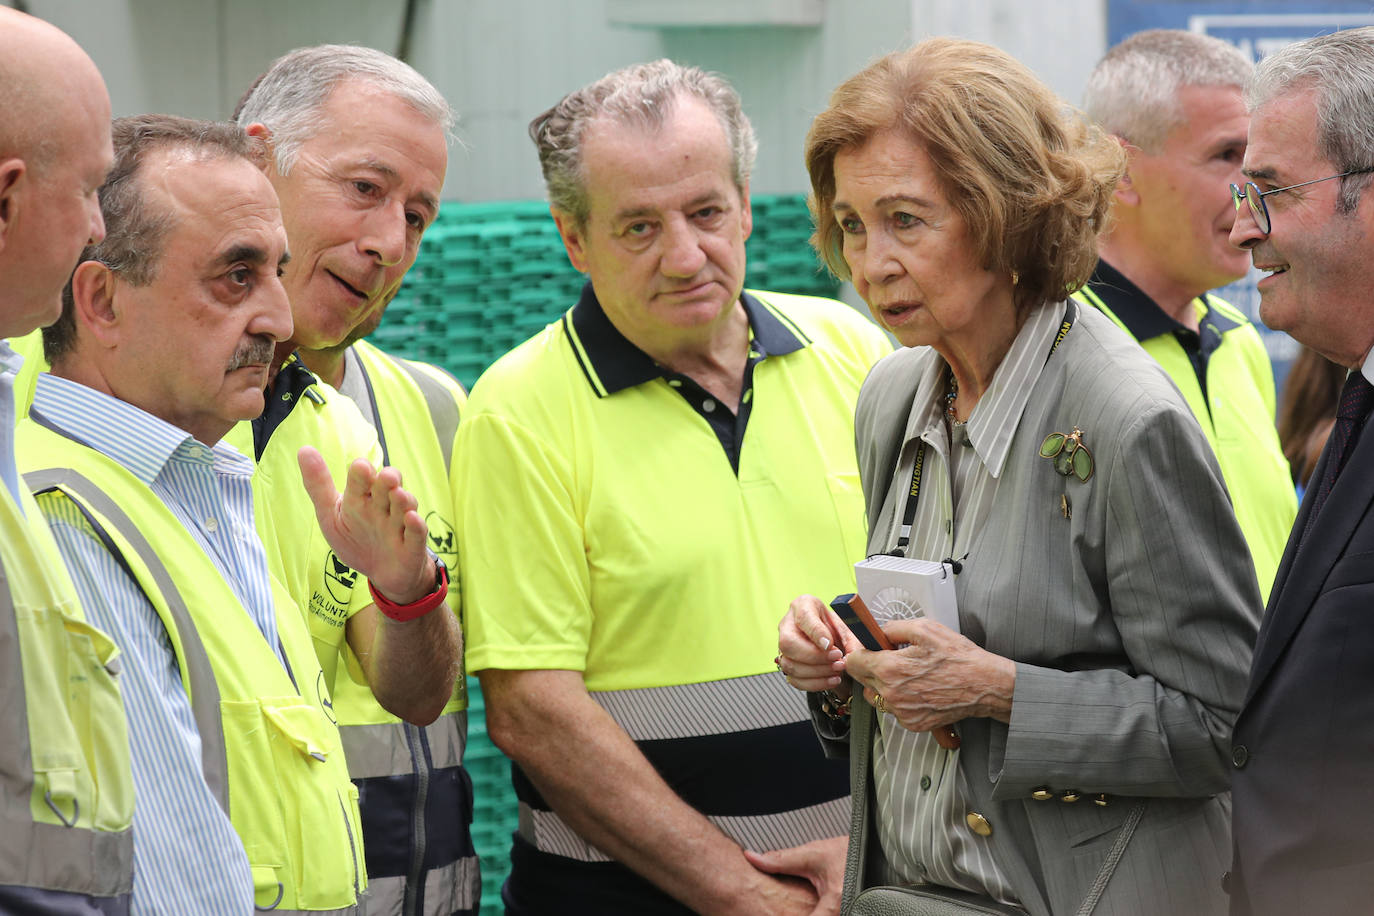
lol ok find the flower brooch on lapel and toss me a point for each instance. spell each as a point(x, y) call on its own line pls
point(1069, 454)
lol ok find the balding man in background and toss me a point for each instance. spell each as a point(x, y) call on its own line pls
point(66, 793)
point(1173, 100)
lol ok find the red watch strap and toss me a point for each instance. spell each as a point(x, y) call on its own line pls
point(406, 612)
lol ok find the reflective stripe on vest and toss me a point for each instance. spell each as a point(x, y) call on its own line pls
point(383, 750)
point(451, 888)
point(196, 674)
point(286, 781)
point(66, 789)
point(443, 412)
point(420, 412)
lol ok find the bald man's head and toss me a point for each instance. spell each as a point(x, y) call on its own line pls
point(54, 152)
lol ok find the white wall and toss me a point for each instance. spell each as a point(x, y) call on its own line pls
point(500, 62)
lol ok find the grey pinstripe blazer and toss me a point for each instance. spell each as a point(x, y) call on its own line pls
point(1131, 622)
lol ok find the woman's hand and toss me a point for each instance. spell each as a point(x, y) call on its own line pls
point(812, 643)
point(939, 678)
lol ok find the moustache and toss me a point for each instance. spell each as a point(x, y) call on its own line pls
point(256, 352)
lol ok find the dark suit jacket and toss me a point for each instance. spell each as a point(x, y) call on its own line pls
point(1303, 748)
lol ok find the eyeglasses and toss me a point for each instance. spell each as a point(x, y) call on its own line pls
point(1251, 194)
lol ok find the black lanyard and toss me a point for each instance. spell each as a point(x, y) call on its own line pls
point(909, 515)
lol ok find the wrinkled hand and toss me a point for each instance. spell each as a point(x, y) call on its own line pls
point(812, 643)
point(820, 862)
point(940, 678)
point(373, 526)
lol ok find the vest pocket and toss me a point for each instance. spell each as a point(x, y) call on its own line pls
point(85, 781)
point(286, 776)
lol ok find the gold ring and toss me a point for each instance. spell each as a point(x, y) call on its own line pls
point(879, 703)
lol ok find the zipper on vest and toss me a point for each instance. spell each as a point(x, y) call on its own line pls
point(420, 761)
point(352, 846)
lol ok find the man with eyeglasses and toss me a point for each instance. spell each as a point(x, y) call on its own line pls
point(1173, 100)
point(1303, 743)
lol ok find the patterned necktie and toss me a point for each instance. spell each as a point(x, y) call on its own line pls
point(1357, 397)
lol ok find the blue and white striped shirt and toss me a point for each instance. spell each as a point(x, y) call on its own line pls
point(187, 857)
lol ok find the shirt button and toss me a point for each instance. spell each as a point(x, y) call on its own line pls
point(925, 783)
point(708, 405)
point(212, 524)
point(1240, 756)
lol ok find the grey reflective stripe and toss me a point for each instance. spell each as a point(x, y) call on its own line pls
point(37, 901)
point(205, 703)
point(448, 889)
point(442, 411)
point(46, 855)
point(547, 832)
point(382, 750)
point(710, 708)
point(790, 828)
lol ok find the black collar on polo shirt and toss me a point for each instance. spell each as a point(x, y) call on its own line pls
point(292, 383)
point(1142, 315)
point(611, 363)
point(1144, 319)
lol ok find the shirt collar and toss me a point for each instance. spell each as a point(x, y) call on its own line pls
point(612, 363)
point(1141, 315)
point(10, 361)
point(992, 425)
point(130, 436)
point(293, 382)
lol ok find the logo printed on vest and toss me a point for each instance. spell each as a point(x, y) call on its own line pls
point(332, 605)
point(442, 539)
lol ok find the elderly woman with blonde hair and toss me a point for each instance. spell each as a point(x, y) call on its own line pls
point(1106, 602)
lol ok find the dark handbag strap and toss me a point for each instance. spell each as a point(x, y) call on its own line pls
point(860, 759)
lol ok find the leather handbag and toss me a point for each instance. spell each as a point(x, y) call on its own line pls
point(926, 900)
point(865, 855)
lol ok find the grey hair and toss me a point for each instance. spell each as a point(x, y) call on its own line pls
point(642, 95)
point(136, 227)
point(287, 98)
point(1133, 90)
point(1340, 67)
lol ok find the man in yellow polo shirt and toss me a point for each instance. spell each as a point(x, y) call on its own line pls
point(1173, 99)
point(645, 485)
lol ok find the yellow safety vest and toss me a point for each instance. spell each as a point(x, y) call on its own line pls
point(415, 410)
point(1239, 425)
point(270, 750)
point(304, 411)
point(66, 790)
